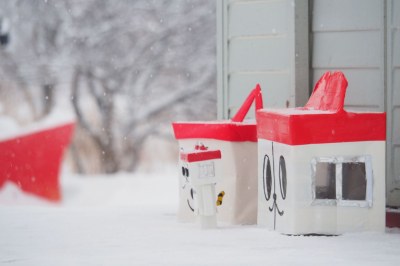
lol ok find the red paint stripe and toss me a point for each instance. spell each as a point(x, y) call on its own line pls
point(307, 127)
point(226, 131)
point(200, 156)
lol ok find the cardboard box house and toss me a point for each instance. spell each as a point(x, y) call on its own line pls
point(236, 183)
point(321, 168)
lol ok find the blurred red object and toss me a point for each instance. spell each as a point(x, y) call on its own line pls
point(33, 160)
point(392, 218)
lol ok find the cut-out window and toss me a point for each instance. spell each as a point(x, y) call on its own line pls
point(354, 181)
point(325, 180)
point(344, 181)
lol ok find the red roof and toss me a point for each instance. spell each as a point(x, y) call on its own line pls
point(233, 130)
point(323, 119)
point(309, 128)
point(227, 131)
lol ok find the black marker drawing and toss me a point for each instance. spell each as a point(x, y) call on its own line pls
point(185, 174)
point(191, 194)
point(267, 182)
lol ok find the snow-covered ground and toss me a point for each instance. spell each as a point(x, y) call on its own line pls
point(131, 220)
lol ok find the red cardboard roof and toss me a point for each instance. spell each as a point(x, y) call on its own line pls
point(314, 128)
point(234, 130)
point(226, 130)
point(323, 119)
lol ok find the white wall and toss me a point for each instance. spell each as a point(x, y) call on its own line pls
point(349, 36)
point(256, 44)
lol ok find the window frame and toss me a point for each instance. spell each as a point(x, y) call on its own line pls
point(339, 161)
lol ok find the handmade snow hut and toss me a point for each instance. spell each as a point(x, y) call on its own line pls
point(236, 139)
point(321, 168)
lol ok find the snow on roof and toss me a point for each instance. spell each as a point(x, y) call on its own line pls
point(295, 111)
point(9, 128)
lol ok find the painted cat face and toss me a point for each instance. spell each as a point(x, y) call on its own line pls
point(274, 180)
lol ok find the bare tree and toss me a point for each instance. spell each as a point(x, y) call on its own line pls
point(133, 66)
point(29, 61)
point(138, 61)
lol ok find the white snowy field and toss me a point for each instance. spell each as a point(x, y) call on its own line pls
point(131, 220)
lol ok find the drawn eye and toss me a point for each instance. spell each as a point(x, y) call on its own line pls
point(267, 178)
point(282, 176)
point(185, 171)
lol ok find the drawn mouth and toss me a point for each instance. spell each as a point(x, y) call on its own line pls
point(269, 182)
point(190, 205)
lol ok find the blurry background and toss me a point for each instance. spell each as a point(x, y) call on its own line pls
point(125, 69)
